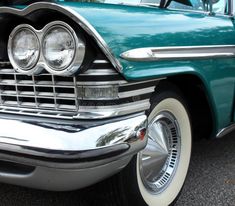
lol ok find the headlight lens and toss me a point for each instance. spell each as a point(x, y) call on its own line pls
point(23, 49)
point(63, 51)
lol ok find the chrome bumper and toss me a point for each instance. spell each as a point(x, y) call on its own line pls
point(67, 155)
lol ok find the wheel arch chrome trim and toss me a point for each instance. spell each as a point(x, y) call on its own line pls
point(81, 21)
point(179, 53)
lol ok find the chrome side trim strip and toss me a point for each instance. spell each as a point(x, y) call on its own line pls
point(179, 53)
point(136, 92)
point(74, 16)
point(225, 131)
point(100, 83)
point(101, 72)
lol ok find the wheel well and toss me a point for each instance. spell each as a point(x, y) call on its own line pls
point(194, 93)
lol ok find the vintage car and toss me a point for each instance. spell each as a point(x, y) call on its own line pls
point(91, 89)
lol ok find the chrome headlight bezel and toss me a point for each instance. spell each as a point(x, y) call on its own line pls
point(79, 53)
point(41, 63)
point(25, 70)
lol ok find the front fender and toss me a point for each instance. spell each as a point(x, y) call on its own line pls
point(119, 28)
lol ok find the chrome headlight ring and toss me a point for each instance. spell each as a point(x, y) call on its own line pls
point(68, 69)
point(21, 49)
point(77, 55)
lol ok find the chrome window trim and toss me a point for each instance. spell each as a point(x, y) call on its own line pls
point(230, 8)
point(207, 12)
point(81, 21)
point(179, 53)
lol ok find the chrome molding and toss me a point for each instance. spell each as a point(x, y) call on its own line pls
point(99, 72)
point(86, 112)
point(72, 15)
point(137, 91)
point(101, 61)
point(225, 131)
point(179, 53)
point(230, 8)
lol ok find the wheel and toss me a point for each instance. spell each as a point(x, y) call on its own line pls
point(156, 175)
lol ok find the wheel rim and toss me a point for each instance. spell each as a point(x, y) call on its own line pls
point(159, 160)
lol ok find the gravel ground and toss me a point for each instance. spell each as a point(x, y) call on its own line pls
point(210, 182)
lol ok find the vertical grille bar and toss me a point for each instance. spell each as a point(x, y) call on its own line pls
point(35, 91)
point(17, 91)
point(54, 91)
point(75, 92)
point(1, 102)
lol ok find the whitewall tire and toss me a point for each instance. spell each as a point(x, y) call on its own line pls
point(171, 191)
point(156, 174)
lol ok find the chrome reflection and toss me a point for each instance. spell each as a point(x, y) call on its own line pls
point(69, 140)
point(159, 160)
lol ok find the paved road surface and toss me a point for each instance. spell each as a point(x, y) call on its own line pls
point(211, 182)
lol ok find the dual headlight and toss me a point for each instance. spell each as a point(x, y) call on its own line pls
point(56, 48)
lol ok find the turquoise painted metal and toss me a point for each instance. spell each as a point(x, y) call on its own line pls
point(128, 27)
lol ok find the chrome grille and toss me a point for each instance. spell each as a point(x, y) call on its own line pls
point(38, 92)
point(47, 94)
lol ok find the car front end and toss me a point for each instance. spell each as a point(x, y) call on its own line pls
point(68, 116)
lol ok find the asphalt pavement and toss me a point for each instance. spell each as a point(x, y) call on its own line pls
point(210, 182)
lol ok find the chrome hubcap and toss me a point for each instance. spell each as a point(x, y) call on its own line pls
point(159, 160)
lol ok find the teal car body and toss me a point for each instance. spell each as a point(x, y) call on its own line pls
point(84, 85)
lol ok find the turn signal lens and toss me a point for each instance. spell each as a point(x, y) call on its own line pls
point(108, 92)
